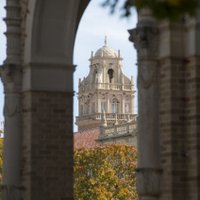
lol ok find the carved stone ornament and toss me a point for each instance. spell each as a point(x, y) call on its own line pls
point(148, 181)
point(11, 76)
point(144, 39)
point(12, 105)
point(147, 74)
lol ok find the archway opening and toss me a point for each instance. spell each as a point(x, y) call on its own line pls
point(112, 33)
point(96, 24)
point(98, 31)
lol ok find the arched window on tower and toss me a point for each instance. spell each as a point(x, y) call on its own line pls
point(103, 106)
point(110, 75)
point(115, 106)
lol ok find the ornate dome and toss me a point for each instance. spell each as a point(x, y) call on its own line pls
point(106, 51)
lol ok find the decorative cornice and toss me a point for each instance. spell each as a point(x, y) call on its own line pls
point(147, 75)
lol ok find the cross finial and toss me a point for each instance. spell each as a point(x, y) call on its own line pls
point(105, 41)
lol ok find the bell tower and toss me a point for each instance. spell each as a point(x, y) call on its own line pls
point(105, 91)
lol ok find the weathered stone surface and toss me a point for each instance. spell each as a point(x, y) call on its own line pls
point(169, 88)
point(47, 145)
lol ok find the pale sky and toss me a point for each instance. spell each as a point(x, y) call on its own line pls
point(95, 24)
point(2, 53)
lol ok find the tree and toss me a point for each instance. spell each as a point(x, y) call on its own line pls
point(169, 9)
point(105, 173)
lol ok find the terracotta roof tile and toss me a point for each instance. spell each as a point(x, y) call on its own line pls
point(86, 139)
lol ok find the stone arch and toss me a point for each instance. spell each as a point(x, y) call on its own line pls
point(39, 79)
point(52, 25)
point(38, 94)
point(49, 73)
point(42, 75)
point(39, 65)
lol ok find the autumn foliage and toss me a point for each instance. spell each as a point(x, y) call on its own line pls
point(105, 173)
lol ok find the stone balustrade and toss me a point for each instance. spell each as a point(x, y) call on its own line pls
point(117, 130)
point(109, 116)
point(107, 86)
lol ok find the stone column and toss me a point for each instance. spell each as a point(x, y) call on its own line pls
point(145, 37)
point(132, 96)
point(48, 131)
point(191, 122)
point(13, 132)
point(12, 78)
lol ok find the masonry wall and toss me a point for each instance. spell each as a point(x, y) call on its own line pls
point(179, 111)
point(48, 145)
point(192, 108)
point(178, 59)
point(172, 101)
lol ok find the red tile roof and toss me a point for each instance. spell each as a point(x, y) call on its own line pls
point(86, 139)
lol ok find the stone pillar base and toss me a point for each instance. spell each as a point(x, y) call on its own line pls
point(148, 183)
point(12, 192)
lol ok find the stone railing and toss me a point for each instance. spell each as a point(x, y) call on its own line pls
point(109, 116)
point(118, 130)
point(106, 86)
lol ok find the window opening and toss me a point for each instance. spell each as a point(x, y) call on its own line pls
point(110, 75)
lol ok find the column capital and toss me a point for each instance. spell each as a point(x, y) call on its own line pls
point(145, 41)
